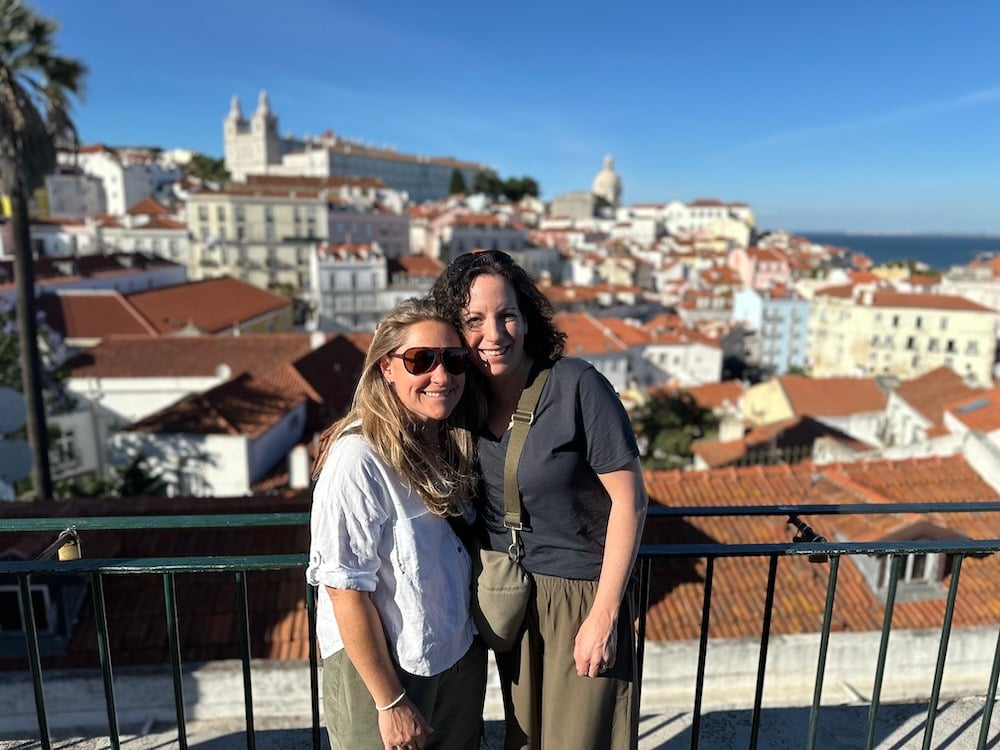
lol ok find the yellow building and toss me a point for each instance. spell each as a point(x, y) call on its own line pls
point(865, 330)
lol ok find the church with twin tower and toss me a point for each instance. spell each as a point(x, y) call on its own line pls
point(254, 146)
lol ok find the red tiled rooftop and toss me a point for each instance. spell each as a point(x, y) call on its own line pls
point(927, 301)
point(189, 356)
point(92, 315)
point(930, 392)
point(716, 395)
point(242, 406)
point(740, 584)
point(585, 335)
point(832, 396)
point(212, 305)
point(980, 411)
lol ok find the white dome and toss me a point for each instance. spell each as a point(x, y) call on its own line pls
point(607, 184)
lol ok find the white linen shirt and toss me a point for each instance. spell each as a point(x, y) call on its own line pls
point(371, 533)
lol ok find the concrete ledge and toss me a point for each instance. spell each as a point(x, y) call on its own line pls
point(214, 691)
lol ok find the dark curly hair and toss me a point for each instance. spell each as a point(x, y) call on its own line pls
point(450, 294)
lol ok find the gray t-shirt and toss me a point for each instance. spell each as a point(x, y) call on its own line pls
point(580, 430)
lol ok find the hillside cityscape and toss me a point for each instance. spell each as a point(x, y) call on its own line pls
point(178, 328)
point(176, 289)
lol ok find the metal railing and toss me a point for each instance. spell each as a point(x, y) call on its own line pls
point(805, 543)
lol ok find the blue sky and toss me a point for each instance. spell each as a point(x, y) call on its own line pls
point(861, 116)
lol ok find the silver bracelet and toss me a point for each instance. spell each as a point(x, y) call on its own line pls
point(393, 704)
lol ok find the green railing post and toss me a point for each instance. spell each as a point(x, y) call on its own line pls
point(34, 659)
point(765, 634)
point(699, 688)
point(243, 607)
point(311, 594)
point(883, 648)
point(173, 639)
point(991, 695)
point(824, 646)
point(104, 650)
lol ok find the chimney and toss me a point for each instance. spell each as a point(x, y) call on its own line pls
point(298, 468)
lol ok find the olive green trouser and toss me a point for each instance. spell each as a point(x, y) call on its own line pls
point(451, 702)
point(546, 704)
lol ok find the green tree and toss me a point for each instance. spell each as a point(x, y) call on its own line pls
point(36, 84)
point(135, 479)
point(668, 423)
point(457, 184)
point(207, 169)
point(488, 183)
point(515, 188)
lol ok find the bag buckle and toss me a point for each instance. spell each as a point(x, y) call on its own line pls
point(522, 416)
point(516, 549)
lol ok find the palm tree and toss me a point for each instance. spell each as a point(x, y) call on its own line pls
point(35, 86)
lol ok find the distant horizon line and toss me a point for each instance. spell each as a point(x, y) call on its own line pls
point(893, 233)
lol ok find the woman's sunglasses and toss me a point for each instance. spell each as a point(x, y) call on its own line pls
point(421, 360)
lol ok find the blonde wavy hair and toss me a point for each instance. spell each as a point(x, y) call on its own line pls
point(445, 481)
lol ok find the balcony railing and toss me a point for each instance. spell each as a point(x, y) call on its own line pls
point(804, 544)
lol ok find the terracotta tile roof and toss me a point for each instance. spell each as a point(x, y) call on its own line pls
point(212, 305)
point(931, 391)
point(242, 406)
point(767, 254)
point(720, 276)
point(980, 411)
point(148, 207)
point(326, 376)
point(844, 291)
point(585, 335)
point(93, 315)
point(791, 440)
point(739, 584)
point(162, 222)
point(927, 301)
point(63, 268)
point(665, 322)
point(208, 619)
point(830, 397)
point(863, 277)
point(415, 265)
point(717, 395)
point(630, 335)
point(560, 294)
point(189, 356)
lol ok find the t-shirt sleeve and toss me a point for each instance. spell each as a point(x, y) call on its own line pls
point(347, 519)
point(610, 438)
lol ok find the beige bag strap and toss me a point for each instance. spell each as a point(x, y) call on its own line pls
point(521, 420)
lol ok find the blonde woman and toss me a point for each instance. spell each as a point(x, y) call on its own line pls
point(401, 667)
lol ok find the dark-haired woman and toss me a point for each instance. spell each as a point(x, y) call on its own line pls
point(569, 681)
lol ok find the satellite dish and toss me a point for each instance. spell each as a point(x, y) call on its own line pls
point(12, 410)
point(16, 460)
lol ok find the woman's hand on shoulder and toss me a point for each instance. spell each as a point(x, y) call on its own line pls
point(594, 650)
point(403, 726)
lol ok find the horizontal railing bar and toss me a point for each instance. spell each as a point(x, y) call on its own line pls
point(227, 563)
point(825, 510)
point(212, 520)
point(950, 546)
point(113, 566)
point(208, 520)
